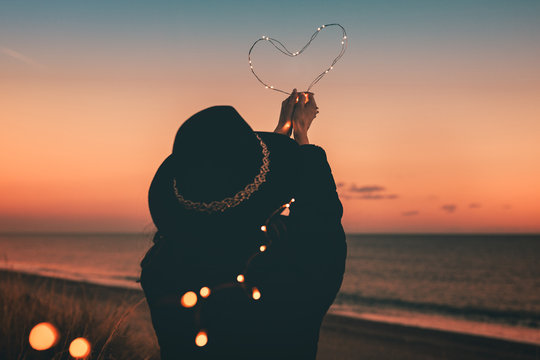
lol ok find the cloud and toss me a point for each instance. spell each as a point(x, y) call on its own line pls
point(368, 192)
point(450, 208)
point(367, 188)
point(20, 57)
point(410, 213)
point(377, 196)
point(475, 205)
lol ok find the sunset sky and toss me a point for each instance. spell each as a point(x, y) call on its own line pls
point(431, 120)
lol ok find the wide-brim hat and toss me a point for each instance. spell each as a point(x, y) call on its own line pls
point(222, 173)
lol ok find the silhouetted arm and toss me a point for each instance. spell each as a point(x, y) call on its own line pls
point(316, 225)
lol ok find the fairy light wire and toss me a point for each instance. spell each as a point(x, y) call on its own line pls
point(283, 49)
point(251, 290)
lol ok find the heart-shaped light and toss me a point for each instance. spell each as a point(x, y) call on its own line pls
point(278, 45)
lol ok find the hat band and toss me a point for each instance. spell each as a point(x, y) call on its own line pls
point(238, 198)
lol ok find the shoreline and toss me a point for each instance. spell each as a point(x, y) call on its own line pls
point(341, 337)
point(429, 321)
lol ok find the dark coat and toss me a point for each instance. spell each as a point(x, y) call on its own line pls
point(299, 277)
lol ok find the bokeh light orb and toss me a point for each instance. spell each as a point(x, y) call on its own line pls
point(201, 339)
point(240, 278)
point(189, 299)
point(205, 292)
point(255, 293)
point(79, 348)
point(43, 336)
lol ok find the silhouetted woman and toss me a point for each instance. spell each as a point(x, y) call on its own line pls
point(249, 252)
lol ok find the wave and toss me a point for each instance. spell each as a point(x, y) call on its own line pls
point(123, 280)
point(511, 317)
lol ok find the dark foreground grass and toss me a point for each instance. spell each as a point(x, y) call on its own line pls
point(110, 321)
point(118, 328)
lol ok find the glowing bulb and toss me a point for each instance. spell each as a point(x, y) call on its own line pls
point(255, 293)
point(318, 29)
point(251, 66)
point(271, 87)
point(263, 228)
point(240, 278)
point(262, 248)
point(293, 200)
point(43, 336)
point(326, 71)
point(323, 26)
point(189, 299)
point(264, 37)
point(345, 37)
point(205, 292)
point(343, 42)
point(201, 339)
point(287, 205)
point(266, 87)
point(331, 67)
point(79, 348)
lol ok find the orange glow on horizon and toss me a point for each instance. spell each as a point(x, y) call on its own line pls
point(430, 137)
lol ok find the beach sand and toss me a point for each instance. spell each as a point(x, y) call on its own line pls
point(341, 338)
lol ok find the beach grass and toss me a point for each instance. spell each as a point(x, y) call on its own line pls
point(116, 322)
point(75, 311)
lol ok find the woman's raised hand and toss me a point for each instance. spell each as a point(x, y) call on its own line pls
point(304, 112)
point(284, 125)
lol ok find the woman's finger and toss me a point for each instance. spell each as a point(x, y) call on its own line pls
point(301, 102)
point(293, 97)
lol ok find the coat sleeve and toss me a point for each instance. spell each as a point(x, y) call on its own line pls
point(317, 231)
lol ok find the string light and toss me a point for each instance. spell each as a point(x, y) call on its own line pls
point(283, 49)
point(205, 292)
point(79, 348)
point(306, 98)
point(43, 336)
point(201, 339)
point(189, 299)
point(255, 293)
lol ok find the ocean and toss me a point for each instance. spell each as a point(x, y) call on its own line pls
point(480, 284)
